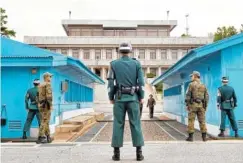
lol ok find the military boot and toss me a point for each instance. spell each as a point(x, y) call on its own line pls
point(24, 135)
point(204, 136)
point(190, 137)
point(116, 156)
point(221, 134)
point(140, 156)
point(48, 138)
point(41, 140)
point(236, 134)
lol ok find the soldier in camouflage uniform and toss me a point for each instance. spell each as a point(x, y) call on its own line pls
point(45, 107)
point(196, 103)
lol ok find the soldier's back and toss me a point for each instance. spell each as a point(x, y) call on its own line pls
point(125, 70)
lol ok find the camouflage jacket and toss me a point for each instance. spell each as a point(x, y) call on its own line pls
point(45, 96)
point(197, 95)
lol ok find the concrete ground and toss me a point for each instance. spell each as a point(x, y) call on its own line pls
point(154, 152)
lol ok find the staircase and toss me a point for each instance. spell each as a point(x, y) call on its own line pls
point(72, 128)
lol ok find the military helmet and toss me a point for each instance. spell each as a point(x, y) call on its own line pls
point(225, 79)
point(36, 81)
point(125, 48)
point(47, 74)
point(196, 73)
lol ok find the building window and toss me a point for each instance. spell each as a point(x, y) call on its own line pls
point(86, 53)
point(109, 33)
point(75, 32)
point(163, 33)
point(97, 32)
point(152, 54)
point(141, 32)
point(163, 54)
point(98, 54)
point(174, 55)
point(64, 51)
point(133, 54)
point(141, 54)
point(152, 32)
point(86, 32)
point(130, 33)
point(75, 53)
point(108, 54)
point(184, 52)
point(153, 71)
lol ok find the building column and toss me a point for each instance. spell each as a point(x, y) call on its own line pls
point(92, 69)
point(103, 73)
point(114, 54)
point(147, 54)
point(136, 53)
point(92, 54)
point(103, 54)
point(148, 70)
point(69, 52)
point(159, 71)
point(169, 57)
point(158, 54)
point(180, 54)
point(81, 54)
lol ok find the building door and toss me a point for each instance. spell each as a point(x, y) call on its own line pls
point(235, 81)
point(184, 87)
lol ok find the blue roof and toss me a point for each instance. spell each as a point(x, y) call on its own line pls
point(199, 53)
point(12, 50)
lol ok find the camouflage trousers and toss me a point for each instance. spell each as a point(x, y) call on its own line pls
point(45, 119)
point(200, 113)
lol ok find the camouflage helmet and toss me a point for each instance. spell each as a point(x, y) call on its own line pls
point(125, 48)
point(196, 73)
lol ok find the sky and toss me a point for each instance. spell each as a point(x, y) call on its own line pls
point(43, 17)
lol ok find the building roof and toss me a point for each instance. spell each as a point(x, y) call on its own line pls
point(119, 23)
point(100, 40)
point(14, 53)
point(199, 53)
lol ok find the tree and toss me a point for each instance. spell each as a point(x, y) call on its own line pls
point(4, 30)
point(159, 87)
point(241, 30)
point(224, 32)
point(185, 35)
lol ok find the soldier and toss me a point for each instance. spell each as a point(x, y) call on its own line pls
point(227, 101)
point(45, 107)
point(32, 108)
point(150, 104)
point(126, 95)
point(196, 103)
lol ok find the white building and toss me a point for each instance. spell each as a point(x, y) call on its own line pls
point(95, 42)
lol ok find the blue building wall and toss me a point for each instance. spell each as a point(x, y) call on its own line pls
point(223, 58)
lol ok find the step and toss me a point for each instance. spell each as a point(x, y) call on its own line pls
point(66, 128)
point(97, 115)
point(80, 120)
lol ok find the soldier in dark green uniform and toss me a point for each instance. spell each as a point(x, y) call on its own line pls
point(31, 107)
point(227, 101)
point(126, 94)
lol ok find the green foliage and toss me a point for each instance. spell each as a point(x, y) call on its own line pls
point(224, 32)
point(185, 35)
point(159, 87)
point(4, 30)
point(150, 75)
point(241, 29)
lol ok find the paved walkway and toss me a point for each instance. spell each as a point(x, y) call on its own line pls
point(156, 152)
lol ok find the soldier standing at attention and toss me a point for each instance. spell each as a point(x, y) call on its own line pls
point(45, 107)
point(150, 104)
point(196, 103)
point(227, 101)
point(32, 108)
point(125, 95)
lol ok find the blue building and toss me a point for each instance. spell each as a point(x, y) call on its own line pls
point(21, 64)
point(222, 58)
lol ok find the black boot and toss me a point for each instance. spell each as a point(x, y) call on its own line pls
point(41, 140)
point(140, 156)
point(190, 137)
point(48, 138)
point(221, 134)
point(116, 156)
point(204, 136)
point(236, 134)
point(24, 135)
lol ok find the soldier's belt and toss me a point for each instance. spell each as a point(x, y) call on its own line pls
point(129, 90)
point(198, 101)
